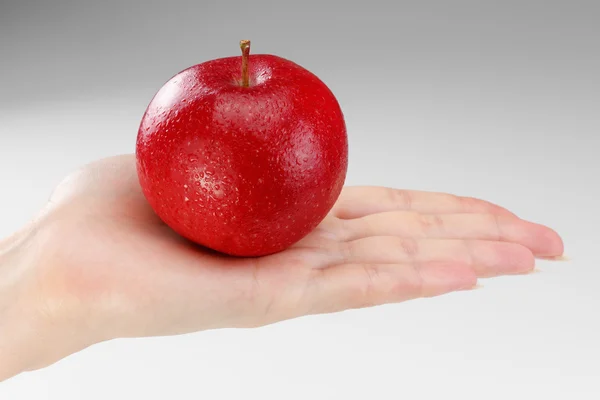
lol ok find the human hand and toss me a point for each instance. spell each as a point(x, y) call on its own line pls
point(98, 264)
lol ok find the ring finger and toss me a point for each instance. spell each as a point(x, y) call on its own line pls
point(486, 258)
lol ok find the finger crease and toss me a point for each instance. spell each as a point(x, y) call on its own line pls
point(372, 273)
point(401, 199)
point(410, 246)
point(498, 230)
point(468, 251)
point(419, 278)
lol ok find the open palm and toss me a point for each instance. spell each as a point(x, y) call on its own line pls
point(116, 260)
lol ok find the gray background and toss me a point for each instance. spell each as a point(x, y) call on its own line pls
point(498, 100)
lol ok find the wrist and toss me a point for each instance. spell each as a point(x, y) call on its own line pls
point(38, 325)
point(17, 322)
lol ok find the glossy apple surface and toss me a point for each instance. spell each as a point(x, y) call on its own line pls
point(243, 170)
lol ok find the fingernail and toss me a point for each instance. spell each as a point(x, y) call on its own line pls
point(534, 271)
point(555, 258)
point(477, 286)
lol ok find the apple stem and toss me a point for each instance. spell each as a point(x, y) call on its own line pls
point(245, 46)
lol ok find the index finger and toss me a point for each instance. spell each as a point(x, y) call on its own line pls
point(360, 201)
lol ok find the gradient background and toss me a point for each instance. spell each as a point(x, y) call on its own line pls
point(498, 100)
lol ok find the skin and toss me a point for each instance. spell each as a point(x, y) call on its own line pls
point(97, 264)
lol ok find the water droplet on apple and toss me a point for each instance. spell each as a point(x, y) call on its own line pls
point(192, 159)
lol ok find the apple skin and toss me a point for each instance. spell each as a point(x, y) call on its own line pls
point(245, 171)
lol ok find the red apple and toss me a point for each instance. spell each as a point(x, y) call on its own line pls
point(244, 155)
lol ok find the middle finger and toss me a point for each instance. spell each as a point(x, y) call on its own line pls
point(541, 240)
